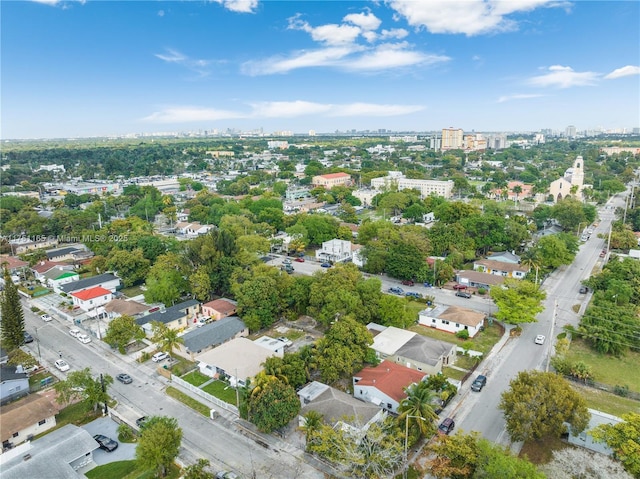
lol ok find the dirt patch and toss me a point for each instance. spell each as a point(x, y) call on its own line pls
point(541, 452)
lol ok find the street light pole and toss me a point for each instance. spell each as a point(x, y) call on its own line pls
point(405, 467)
point(38, 344)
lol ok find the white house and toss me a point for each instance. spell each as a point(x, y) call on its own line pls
point(274, 345)
point(26, 418)
point(335, 251)
point(384, 384)
point(91, 299)
point(452, 319)
point(192, 229)
point(585, 439)
point(498, 268)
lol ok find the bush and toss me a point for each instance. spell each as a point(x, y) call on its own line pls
point(482, 291)
point(125, 433)
point(622, 391)
point(561, 365)
point(144, 357)
point(562, 335)
point(34, 309)
point(463, 334)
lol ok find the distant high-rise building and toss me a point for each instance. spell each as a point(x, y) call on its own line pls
point(452, 138)
point(435, 143)
point(570, 131)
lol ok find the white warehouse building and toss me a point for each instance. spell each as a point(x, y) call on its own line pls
point(425, 187)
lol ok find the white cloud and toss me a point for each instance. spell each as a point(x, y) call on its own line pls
point(518, 96)
point(390, 56)
point(306, 59)
point(240, 6)
point(278, 109)
point(623, 72)
point(330, 34)
point(397, 33)
point(366, 20)
point(469, 17)
point(174, 56)
point(54, 3)
point(564, 77)
point(161, 13)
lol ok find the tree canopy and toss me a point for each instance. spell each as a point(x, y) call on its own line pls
point(12, 324)
point(518, 301)
point(158, 444)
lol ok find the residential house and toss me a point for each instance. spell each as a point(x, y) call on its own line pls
point(178, 316)
point(337, 408)
point(58, 454)
point(237, 360)
point(274, 345)
point(219, 308)
point(585, 439)
point(384, 384)
point(62, 254)
point(476, 279)
point(330, 180)
point(452, 319)
point(43, 268)
point(193, 228)
point(411, 349)
point(334, 251)
point(526, 191)
point(54, 279)
point(106, 281)
point(505, 257)
point(92, 299)
point(125, 307)
point(14, 383)
point(26, 418)
point(211, 335)
point(498, 268)
point(15, 266)
point(25, 245)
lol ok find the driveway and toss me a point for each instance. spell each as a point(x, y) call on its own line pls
point(108, 427)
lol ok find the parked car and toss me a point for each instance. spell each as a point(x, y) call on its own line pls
point(27, 338)
point(74, 332)
point(46, 317)
point(62, 365)
point(299, 259)
point(427, 284)
point(539, 339)
point(463, 294)
point(326, 265)
point(83, 338)
point(106, 443)
point(286, 261)
point(413, 294)
point(124, 378)
point(140, 422)
point(396, 290)
point(227, 475)
point(584, 290)
point(603, 253)
point(478, 383)
point(459, 286)
point(159, 356)
point(408, 282)
point(446, 426)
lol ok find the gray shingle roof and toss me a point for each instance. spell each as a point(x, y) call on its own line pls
point(60, 252)
point(169, 314)
point(213, 334)
point(425, 350)
point(52, 455)
point(8, 373)
point(87, 283)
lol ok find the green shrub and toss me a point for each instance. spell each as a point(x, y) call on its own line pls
point(622, 391)
point(125, 433)
point(482, 291)
point(144, 357)
point(562, 335)
point(463, 334)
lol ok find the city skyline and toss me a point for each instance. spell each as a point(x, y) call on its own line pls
point(89, 69)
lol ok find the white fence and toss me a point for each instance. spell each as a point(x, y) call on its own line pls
point(205, 395)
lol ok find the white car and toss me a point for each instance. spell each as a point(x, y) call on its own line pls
point(83, 338)
point(74, 332)
point(539, 339)
point(156, 358)
point(46, 317)
point(62, 365)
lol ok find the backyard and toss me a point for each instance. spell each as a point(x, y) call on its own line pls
point(216, 388)
point(483, 342)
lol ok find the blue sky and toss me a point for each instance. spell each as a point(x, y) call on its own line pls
point(77, 69)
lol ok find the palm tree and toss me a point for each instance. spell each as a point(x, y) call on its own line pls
point(417, 407)
point(517, 190)
point(531, 259)
point(313, 422)
point(167, 338)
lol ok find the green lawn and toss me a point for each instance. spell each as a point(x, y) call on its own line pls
point(127, 470)
point(483, 342)
point(608, 369)
point(196, 378)
point(607, 402)
point(77, 414)
point(453, 373)
point(132, 291)
point(222, 391)
point(188, 401)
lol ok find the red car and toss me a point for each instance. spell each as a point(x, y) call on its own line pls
point(459, 286)
point(408, 282)
point(299, 260)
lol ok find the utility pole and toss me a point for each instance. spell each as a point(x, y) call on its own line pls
point(553, 321)
point(38, 344)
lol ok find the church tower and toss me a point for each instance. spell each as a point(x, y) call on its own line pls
point(577, 175)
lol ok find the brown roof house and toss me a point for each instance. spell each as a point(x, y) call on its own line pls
point(499, 268)
point(26, 418)
point(476, 279)
point(384, 384)
point(123, 307)
point(219, 308)
point(452, 319)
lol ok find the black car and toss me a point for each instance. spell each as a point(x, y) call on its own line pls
point(446, 426)
point(478, 383)
point(27, 338)
point(106, 443)
point(583, 290)
point(463, 294)
point(124, 378)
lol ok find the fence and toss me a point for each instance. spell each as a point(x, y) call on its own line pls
point(205, 395)
point(622, 391)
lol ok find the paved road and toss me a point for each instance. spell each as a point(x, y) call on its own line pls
point(216, 440)
point(479, 411)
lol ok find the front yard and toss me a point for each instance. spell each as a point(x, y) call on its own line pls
point(217, 388)
point(483, 342)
